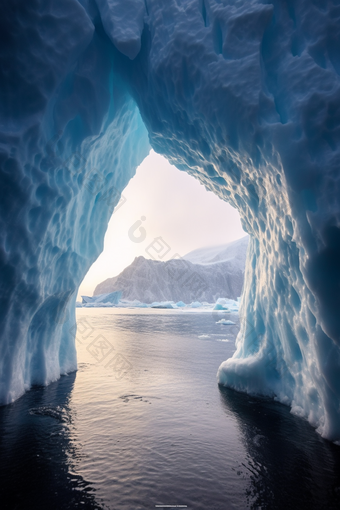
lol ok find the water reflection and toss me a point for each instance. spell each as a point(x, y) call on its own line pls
point(37, 452)
point(163, 434)
point(288, 465)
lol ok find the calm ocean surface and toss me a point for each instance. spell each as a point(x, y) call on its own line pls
point(143, 424)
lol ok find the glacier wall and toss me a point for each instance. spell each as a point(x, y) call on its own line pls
point(71, 138)
point(245, 96)
point(242, 94)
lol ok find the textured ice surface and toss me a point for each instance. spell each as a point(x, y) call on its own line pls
point(70, 140)
point(242, 94)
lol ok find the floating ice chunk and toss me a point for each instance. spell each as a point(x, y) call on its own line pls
point(111, 298)
point(125, 303)
point(221, 307)
point(140, 305)
point(180, 304)
point(227, 305)
point(163, 304)
point(195, 304)
point(226, 322)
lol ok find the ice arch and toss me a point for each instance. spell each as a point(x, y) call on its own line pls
point(243, 94)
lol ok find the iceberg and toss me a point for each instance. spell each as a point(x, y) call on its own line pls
point(227, 305)
point(226, 322)
point(124, 303)
point(218, 306)
point(244, 96)
point(162, 304)
point(111, 298)
point(195, 304)
point(180, 304)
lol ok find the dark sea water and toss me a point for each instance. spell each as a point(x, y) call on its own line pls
point(143, 423)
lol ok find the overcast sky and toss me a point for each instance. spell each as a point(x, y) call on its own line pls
point(168, 205)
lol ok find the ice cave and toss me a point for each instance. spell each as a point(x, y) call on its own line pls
point(242, 94)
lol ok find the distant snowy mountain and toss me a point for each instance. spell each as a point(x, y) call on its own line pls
point(234, 252)
point(220, 275)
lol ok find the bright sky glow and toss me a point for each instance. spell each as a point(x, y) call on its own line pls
point(161, 201)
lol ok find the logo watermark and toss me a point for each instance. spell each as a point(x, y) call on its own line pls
point(101, 349)
point(177, 268)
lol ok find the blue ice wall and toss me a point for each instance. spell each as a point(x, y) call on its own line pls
point(245, 96)
point(71, 138)
point(242, 94)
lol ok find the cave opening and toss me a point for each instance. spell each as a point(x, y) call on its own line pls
point(165, 207)
point(244, 96)
point(255, 122)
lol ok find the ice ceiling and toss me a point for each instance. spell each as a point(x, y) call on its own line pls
point(242, 94)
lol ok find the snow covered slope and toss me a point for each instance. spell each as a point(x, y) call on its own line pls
point(148, 280)
point(242, 94)
point(234, 252)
